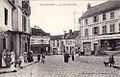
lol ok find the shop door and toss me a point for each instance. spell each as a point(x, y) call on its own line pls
point(87, 48)
point(95, 49)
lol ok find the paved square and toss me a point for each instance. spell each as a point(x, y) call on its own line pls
point(83, 66)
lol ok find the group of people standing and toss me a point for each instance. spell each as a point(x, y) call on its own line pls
point(67, 56)
point(9, 58)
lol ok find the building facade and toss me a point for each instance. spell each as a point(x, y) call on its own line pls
point(71, 41)
point(15, 26)
point(100, 28)
point(40, 41)
point(56, 44)
point(5, 25)
point(21, 27)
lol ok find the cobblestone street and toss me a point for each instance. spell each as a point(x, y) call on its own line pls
point(84, 66)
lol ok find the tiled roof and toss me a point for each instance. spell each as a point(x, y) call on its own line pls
point(57, 37)
point(102, 8)
point(73, 35)
point(39, 32)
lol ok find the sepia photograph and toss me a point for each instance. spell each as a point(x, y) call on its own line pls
point(59, 38)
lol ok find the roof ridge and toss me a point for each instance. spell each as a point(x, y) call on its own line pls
point(100, 8)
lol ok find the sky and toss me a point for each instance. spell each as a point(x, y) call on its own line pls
point(57, 16)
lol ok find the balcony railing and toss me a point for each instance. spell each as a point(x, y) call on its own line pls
point(26, 8)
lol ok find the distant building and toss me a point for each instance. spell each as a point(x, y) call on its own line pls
point(56, 44)
point(71, 41)
point(100, 28)
point(40, 41)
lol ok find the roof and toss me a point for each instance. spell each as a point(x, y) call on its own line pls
point(57, 37)
point(102, 8)
point(73, 35)
point(39, 32)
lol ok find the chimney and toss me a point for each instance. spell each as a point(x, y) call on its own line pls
point(70, 31)
point(88, 6)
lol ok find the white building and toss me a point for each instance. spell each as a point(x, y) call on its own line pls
point(15, 26)
point(100, 28)
point(56, 44)
point(71, 41)
point(5, 24)
point(21, 27)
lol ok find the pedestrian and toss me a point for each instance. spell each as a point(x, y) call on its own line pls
point(66, 57)
point(30, 56)
point(13, 68)
point(25, 56)
point(38, 57)
point(43, 59)
point(72, 55)
point(79, 52)
point(3, 58)
point(111, 60)
point(8, 58)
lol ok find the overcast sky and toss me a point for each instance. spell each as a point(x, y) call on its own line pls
point(55, 16)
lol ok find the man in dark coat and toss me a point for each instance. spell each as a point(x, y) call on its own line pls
point(38, 57)
point(66, 57)
point(111, 60)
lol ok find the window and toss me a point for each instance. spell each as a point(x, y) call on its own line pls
point(4, 43)
point(67, 48)
point(24, 24)
point(86, 32)
point(58, 44)
point(104, 29)
point(53, 44)
point(111, 15)
point(104, 16)
point(96, 18)
point(6, 16)
point(95, 30)
point(57, 40)
point(112, 28)
point(119, 26)
point(86, 21)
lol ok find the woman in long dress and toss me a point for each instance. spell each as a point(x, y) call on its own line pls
point(3, 58)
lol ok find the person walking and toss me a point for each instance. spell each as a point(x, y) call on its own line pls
point(43, 59)
point(72, 55)
point(38, 57)
point(66, 57)
point(111, 60)
point(79, 52)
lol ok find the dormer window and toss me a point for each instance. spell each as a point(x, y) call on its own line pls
point(96, 18)
point(112, 15)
